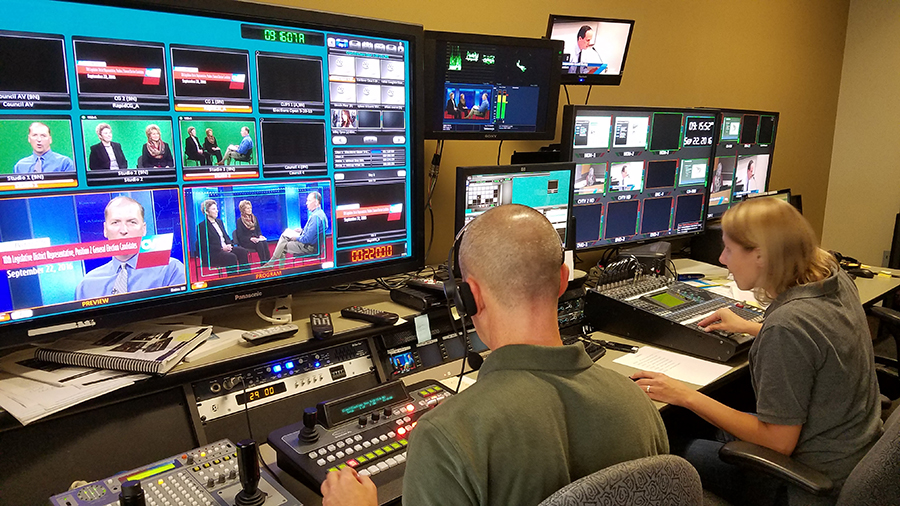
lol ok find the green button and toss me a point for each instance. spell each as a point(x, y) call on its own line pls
point(403, 442)
point(362, 460)
point(341, 466)
point(387, 449)
point(423, 393)
point(379, 453)
point(437, 389)
point(430, 390)
point(396, 446)
point(332, 469)
point(370, 455)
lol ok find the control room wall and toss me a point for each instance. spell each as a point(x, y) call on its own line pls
point(754, 54)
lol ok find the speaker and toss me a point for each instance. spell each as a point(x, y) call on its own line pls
point(455, 288)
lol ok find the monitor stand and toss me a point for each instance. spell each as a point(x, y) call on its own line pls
point(281, 313)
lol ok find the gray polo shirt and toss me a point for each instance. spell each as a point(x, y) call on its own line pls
point(812, 364)
point(538, 418)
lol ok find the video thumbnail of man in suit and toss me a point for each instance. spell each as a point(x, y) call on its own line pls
point(38, 152)
point(121, 75)
point(71, 250)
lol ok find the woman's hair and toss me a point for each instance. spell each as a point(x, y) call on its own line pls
point(786, 241)
point(206, 205)
point(151, 127)
point(209, 132)
point(243, 205)
point(102, 126)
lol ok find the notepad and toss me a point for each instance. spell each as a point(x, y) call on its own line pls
point(675, 365)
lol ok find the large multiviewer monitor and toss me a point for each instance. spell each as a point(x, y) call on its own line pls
point(166, 120)
point(743, 157)
point(489, 87)
point(546, 187)
point(640, 173)
point(595, 48)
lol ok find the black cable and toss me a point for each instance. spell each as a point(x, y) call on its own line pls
point(588, 94)
point(499, 149)
point(566, 89)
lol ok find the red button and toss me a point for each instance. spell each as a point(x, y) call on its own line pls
point(410, 408)
point(352, 463)
point(401, 431)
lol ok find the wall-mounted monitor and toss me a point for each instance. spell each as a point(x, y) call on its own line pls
point(640, 173)
point(164, 157)
point(489, 87)
point(546, 187)
point(595, 48)
point(743, 157)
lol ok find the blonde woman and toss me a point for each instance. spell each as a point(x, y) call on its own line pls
point(247, 233)
point(156, 153)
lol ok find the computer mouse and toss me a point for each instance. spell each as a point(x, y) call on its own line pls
point(860, 272)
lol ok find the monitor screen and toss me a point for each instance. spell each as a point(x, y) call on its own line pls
point(488, 87)
point(640, 173)
point(595, 48)
point(546, 187)
point(163, 158)
point(743, 156)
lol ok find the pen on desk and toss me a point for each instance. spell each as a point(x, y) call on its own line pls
point(690, 276)
point(612, 345)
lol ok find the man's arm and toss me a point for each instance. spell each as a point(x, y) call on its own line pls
point(244, 146)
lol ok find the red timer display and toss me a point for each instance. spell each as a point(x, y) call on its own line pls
point(370, 253)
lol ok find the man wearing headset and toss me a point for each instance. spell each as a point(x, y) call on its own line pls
point(541, 414)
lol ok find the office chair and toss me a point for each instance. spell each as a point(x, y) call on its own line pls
point(659, 480)
point(875, 481)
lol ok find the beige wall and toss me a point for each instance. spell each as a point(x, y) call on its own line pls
point(864, 187)
point(757, 54)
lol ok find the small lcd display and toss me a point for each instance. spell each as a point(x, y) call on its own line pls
point(668, 300)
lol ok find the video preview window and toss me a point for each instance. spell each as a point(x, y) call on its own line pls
point(592, 46)
point(121, 75)
point(104, 247)
point(267, 230)
point(661, 174)
point(293, 148)
point(136, 150)
point(689, 212)
point(621, 219)
point(731, 129)
point(590, 178)
point(626, 176)
point(211, 79)
point(750, 175)
point(693, 172)
point(289, 84)
point(217, 148)
point(722, 179)
point(666, 133)
point(657, 215)
point(38, 153)
point(24, 85)
point(592, 131)
point(631, 132)
point(370, 215)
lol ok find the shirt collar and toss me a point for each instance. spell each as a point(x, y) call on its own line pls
point(131, 262)
point(537, 358)
point(825, 287)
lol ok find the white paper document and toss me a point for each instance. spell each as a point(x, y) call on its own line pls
point(675, 365)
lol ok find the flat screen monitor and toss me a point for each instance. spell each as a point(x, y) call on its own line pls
point(784, 194)
point(743, 156)
point(546, 187)
point(595, 48)
point(488, 87)
point(640, 173)
point(157, 154)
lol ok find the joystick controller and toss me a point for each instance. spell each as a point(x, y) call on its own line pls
point(309, 434)
point(132, 494)
point(248, 466)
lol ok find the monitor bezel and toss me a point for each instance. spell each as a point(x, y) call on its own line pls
point(591, 80)
point(570, 112)
point(17, 333)
point(433, 103)
point(462, 173)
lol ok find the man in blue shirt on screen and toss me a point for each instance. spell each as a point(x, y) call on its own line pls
point(43, 159)
point(303, 241)
point(241, 152)
point(124, 218)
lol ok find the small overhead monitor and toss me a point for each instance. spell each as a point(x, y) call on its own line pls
point(488, 87)
point(640, 173)
point(595, 48)
point(743, 155)
point(546, 187)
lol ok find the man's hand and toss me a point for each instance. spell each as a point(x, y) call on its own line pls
point(726, 319)
point(347, 488)
point(663, 388)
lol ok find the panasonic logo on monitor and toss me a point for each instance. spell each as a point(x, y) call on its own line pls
point(242, 296)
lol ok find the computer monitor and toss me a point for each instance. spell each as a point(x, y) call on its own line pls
point(489, 87)
point(595, 48)
point(167, 120)
point(743, 155)
point(783, 194)
point(546, 187)
point(640, 173)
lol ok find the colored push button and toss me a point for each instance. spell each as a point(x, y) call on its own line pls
point(362, 459)
point(436, 389)
point(330, 469)
point(387, 449)
point(226, 458)
point(206, 464)
point(423, 393)
point(217, 461)
point(196, 468)
point(352, 463)
point(403, 442)
point(380, 453)
point(370, 455)
point(396, 446)
point(430, 390)
point(341, 466)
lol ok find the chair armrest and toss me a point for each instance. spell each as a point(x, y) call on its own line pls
point(888, 315)
point(777, 465)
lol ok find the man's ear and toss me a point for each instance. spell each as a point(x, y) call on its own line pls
point(477, 293)
point(563, 279)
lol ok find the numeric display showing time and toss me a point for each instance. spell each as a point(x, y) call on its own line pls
point(282, 35)
point(261, 393)
point(371, 253)
point(698, 131)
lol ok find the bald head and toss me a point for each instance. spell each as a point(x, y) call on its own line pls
point(514, 252)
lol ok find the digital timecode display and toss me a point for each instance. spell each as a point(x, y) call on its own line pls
point(371, 253)
point(282, 35)
point(699, 131)
point(261, 393)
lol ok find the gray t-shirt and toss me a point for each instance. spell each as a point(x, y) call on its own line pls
point(812, 364)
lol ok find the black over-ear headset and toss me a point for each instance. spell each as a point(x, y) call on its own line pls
point(455, 288)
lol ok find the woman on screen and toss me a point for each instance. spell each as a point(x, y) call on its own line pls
point(247, 232)
point(193, 150)
point(811, 363)
point(211, 147)
point(106, 154)
point(156, 153)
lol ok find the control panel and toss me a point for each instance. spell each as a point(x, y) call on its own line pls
point(661, 311)
point(223, 395)
point(208, 475)
point(367, 431)
point(423, 344)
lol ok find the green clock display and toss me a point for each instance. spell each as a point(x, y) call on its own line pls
point(282, 35)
